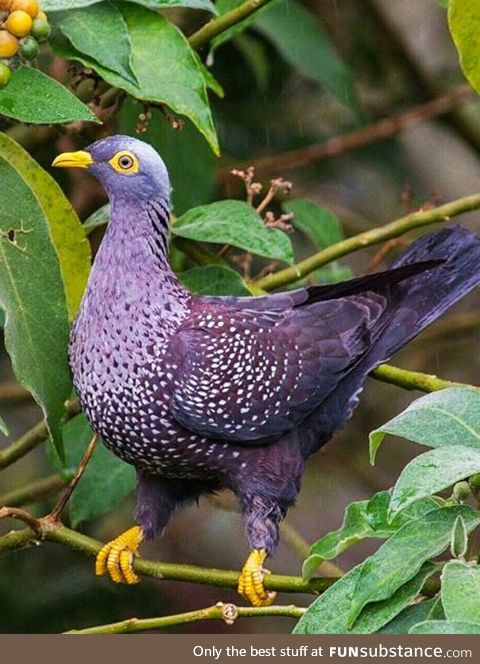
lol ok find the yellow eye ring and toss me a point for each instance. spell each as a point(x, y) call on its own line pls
point(124, 162)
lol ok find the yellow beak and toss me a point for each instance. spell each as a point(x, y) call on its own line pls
point(80, 159)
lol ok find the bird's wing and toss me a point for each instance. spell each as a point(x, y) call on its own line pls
point(248, 376)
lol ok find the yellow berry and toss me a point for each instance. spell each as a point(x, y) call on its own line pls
point(42, 15)
point(19, 23)
point(8, 44)
point(31, 7)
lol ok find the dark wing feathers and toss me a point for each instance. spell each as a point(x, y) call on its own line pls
point(249, 376)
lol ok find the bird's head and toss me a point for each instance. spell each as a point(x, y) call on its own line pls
point(126, 167)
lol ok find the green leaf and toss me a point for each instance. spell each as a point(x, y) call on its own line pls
point(66, 232)
point(214, 280)
point(236, 223)
point(166, 67)
point(305, 45)
point(322, 227)
point(318, 223)
point(59, 5)
point(431, 472)
point(401, 557)
point(20, 100)
point(447, 417)
point(3, 427)
point(445, 627)
point(100, 32)
point(459, 539)
point(430, 609)
point(464, 23)
point(364, 519)
point(98, 219)
point(191, 164)
point(461, 592)
point(31, 288)
point(328, 614)
point(106, 480)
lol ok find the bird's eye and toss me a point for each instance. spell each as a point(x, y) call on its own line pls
point(124, 162)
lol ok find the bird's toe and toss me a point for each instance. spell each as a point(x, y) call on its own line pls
point(116, 557)
point(251, 582)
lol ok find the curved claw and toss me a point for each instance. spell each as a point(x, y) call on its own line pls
point(250, 583)
point(116, 557)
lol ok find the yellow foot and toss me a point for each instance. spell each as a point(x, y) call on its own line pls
point(116, 557)
point(250, 583)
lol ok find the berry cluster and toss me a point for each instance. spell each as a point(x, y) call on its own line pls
point(22, 26)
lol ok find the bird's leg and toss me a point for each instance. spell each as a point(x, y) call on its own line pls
point(116, 557)
point(157, 499)
point(262, 520)
point(250, 583)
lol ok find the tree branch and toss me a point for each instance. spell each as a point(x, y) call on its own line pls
point(367, 239)
point(358, 138)
point(413, 380)
point(31, 438)
point(33, 491)
point(159, 570)
point(226, 612)
point(218, 25)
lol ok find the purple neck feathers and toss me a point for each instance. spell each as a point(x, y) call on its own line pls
point(132, 267)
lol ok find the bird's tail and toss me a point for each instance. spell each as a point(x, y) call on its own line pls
point(415, 302)
point(420, 300)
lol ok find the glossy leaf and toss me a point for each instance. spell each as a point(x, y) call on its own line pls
point(304, 44)
point(59, 5)
point(100, 32)
point(214, 280)
point(66, 232)
point(236, 223)
point(363, 520)
point(447, 417)
point(401, 556)
point(461, 591)
point(166, 68)
point(445, 627)
point(328, 614)
point(430, 609)
point(106, 480)
point(191, 164)
point(20, 100)
point(464, 23)
point(31, 288)
point(431, 472)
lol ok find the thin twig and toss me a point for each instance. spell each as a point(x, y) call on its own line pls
point(369, 238)
point(414, 380)
point(218, 25)
point(16, 513)
point(54, 515)
point(226, 612)
point(31, 438)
